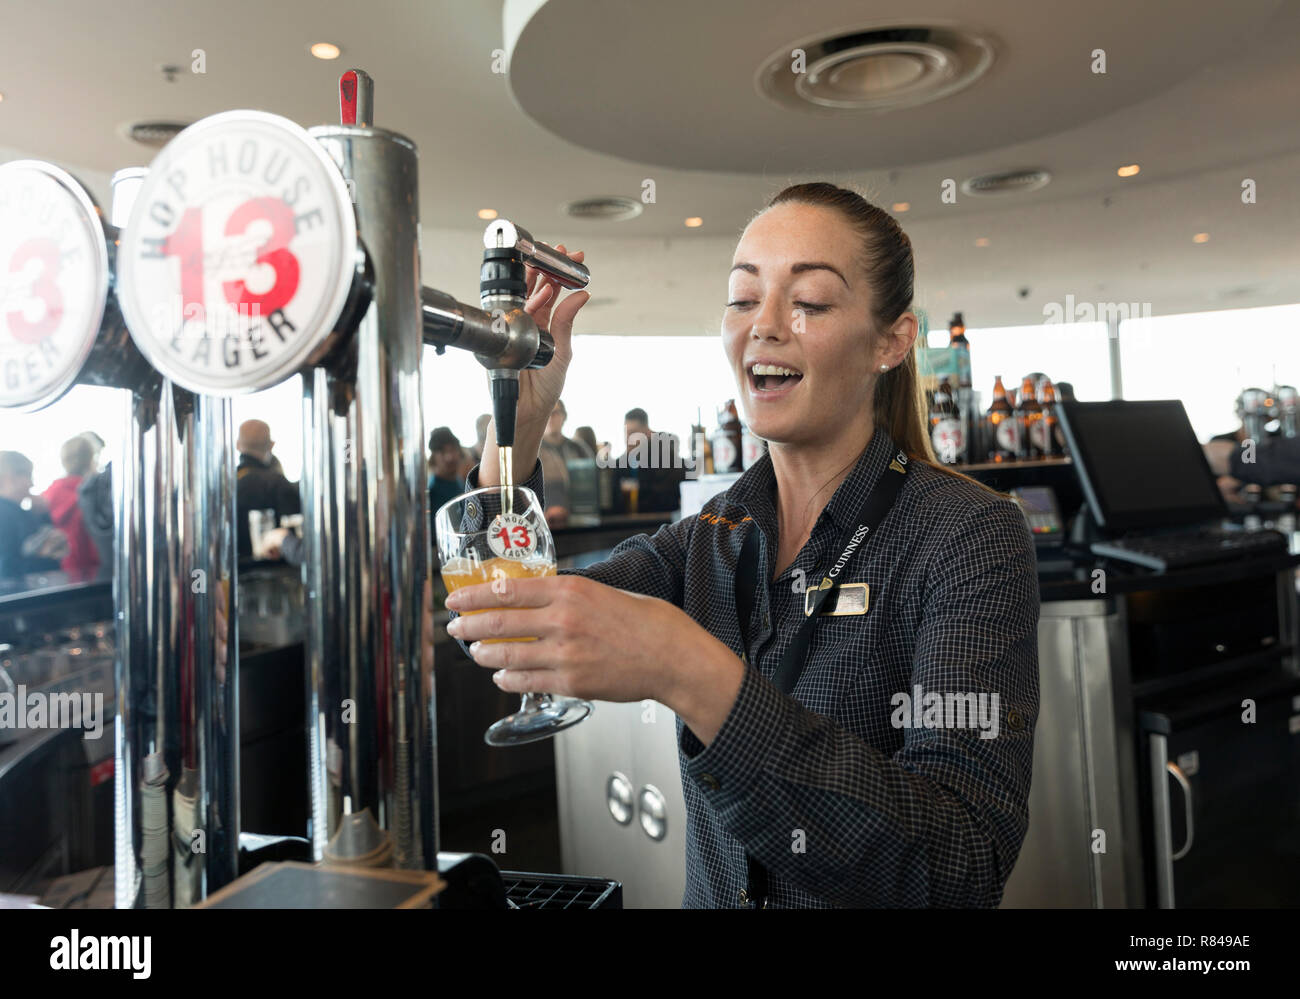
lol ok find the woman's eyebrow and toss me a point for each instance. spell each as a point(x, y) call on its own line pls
point(814, 265)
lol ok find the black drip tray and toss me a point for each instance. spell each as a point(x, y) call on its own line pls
point(555, 891)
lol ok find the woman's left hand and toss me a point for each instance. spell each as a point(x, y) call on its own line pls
point(594, 641)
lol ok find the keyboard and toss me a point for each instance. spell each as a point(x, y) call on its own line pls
point(1206, 546)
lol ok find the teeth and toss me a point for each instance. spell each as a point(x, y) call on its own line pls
point(772, 369)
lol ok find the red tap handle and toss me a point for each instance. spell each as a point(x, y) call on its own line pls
point(356, 98)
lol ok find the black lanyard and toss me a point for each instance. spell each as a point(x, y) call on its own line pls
point(855, 536)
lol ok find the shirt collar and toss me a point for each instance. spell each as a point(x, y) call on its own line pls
point(756, 488)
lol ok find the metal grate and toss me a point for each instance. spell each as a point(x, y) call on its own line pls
point(549, 891)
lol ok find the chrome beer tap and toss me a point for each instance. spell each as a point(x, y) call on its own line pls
point(502, 336)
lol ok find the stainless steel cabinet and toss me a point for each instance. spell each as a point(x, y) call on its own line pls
point(622, 815)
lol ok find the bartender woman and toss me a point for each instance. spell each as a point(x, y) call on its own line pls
point(875, 756)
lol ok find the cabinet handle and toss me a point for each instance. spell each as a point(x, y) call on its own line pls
point(1179, 776)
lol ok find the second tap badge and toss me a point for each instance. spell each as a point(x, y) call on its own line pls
point(239, 254)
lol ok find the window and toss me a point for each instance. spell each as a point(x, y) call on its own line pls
point(1077, 353)
point(40, 436)
point(670, 377)
point(1207, 358)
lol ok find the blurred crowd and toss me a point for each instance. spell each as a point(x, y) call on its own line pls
point(69, 526)
point(1261, 457)
point(643, 478)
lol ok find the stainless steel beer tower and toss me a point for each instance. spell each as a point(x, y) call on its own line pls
point(365, 517)
point(371, 715)
point(177, 754)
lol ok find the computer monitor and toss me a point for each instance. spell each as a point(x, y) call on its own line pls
point(1140, 464)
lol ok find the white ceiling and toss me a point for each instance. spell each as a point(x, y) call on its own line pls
point(1201, 94)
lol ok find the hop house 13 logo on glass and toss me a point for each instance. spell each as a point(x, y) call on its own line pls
point(53, 282)
point(239, 254)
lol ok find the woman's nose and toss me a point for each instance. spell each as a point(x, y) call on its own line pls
point(771, 321)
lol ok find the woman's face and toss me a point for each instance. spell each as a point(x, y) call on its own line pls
point(798, 299)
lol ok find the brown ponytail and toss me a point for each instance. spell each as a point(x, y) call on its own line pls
point(886, 256)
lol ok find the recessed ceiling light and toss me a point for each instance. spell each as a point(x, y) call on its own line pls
point(1201, 237)
point(487, 213)
point(1132, 170)
point(982, 241)
point(901, 206)
point(694, 222)
point(325, 50)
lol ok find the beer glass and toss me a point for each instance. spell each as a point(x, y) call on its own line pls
point(492, 534)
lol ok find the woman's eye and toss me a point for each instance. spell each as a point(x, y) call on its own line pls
point(739, 304)
point(811, 307)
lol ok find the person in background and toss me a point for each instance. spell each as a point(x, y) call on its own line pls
point(97, 449)
point(95, 497)
point(1273, 460)
point(28, 541)
point(588, 436)
point(1064, 393)
point(556, 453)
point(652, 459)
point(606, 477)
point(259, 485)
point(78, 458)
point(1224, 453)
point(467, 462)
point(481, 429)
point(445, 483)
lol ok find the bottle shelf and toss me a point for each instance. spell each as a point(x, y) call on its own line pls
point(989, 466)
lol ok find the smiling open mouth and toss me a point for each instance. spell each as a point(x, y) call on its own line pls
point(772, 377)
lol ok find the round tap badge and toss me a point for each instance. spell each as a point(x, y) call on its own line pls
point(511, 536)
point(53, 282)
point(239, 254)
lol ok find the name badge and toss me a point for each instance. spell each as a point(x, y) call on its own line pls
point(845, 599)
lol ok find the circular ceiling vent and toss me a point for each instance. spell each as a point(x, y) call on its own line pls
point(153, 133)
point(1007, 182)
point(610, 209)
point(880, 70)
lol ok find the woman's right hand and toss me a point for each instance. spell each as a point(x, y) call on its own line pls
point(540, 389)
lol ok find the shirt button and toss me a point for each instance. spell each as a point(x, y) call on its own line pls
point(709, 782)
point(1015, 721)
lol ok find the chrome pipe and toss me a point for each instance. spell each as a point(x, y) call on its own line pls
point(506, 337)
point(376, 702)
point(326, 400)
point(177, 670)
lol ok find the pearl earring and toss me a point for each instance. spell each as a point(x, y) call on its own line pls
point(884, 367)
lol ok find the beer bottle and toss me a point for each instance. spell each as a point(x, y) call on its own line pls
point(945, 425)
point(1029, 414)
point(1048, 442)
point(728, 455)
point(1003, 430)
point(752, 447)
point(957, 341)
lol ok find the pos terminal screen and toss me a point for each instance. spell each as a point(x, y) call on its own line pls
point(1140, 464)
